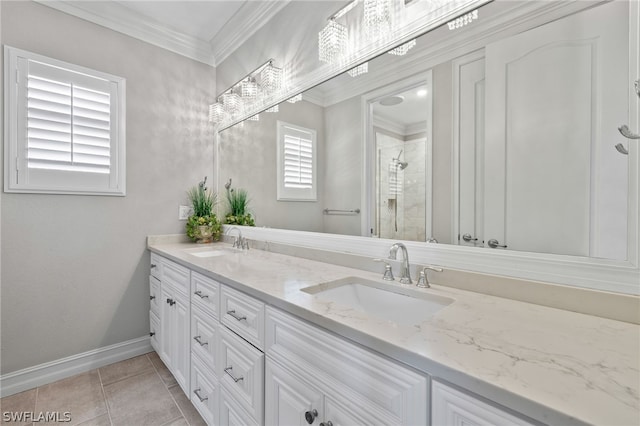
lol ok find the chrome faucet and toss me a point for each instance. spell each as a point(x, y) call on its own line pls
point(405, 273)
point(239, 241)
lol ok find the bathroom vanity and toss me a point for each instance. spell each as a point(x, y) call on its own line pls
point(258, 337)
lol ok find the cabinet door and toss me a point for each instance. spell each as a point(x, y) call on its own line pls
point(453, 407)
point(166, 327)
point(231, 414)
point(181, 349)
point(288, 398)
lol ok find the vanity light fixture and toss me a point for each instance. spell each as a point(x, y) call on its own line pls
point(294, 99)
point(403, 49)
point(360, 69)
point(216, 112)
point(463, 20)
point(249, 88)
point(270, 78)
point(332, 42)
point(246, 91)
point(422, 93)
point(377, 18)
point(231, 102)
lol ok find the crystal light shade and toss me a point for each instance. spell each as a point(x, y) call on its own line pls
point(403, 49)
point(296, 98)
point(231, 102)
point(332, 42)
point(249, 88)
point(270, 78)
point(274, 108)
point(377, 18)
point(360, 69)
point(216, 112)
point(254, 118)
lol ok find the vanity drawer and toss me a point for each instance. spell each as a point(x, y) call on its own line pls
point(204, 392)
point(204, 337)
point(155, 267)
point(154, 294)
point(232, 414)
point(204, 293)
point(154, 330)
point(242, 373)
point(244, 315)
point(369, 379)
point(175, 275)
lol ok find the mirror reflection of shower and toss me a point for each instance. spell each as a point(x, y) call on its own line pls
point(399, 130)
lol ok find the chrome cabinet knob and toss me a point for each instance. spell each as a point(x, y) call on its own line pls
point(153, 333)
point(326, 423)
point(468, 238)
point(310, 416)
point(151, 297)
point(493, 243)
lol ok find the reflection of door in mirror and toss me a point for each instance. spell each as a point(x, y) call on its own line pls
point(399, 120)
point(554, 98)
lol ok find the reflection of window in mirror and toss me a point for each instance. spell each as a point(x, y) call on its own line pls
point(296, 163)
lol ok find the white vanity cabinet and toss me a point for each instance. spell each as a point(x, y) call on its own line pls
point(345, 384)
point(175, 321)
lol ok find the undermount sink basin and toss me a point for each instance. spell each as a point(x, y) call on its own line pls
point(404, 306)
point(209, 252)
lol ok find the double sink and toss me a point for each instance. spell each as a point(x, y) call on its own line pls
point(399, 304)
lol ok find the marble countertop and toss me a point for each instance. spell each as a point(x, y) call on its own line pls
point(555, 366)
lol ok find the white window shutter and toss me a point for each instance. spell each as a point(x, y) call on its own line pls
point(66, 127)
point(296, 163)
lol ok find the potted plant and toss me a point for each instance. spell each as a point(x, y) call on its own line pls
point(238, 200)
point(203, 226)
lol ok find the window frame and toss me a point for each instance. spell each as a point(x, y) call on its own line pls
point(16, 171)
point(296, 194)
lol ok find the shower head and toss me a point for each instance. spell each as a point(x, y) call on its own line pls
point(403, 165)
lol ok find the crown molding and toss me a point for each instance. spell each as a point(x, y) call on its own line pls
point(126, 21)
point(243, 25)
point(389, 125)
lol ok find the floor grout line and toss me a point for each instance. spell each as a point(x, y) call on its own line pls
point(104, 395)
point(170, 394)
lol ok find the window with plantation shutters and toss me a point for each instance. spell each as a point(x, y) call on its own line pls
point(65, 127)
point(296, 163)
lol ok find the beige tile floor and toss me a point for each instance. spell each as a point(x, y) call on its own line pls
point(135, 392)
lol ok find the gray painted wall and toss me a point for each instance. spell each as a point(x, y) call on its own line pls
point(248, 154)
point(343, 169)
point(75, 268)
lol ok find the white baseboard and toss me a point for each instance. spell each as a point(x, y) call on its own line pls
point(31, 377)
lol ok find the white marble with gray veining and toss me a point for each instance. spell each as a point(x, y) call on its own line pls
point(555, 366)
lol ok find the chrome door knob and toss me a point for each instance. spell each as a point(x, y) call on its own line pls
point(468, 238)
point(493, 243)
point(310, 416)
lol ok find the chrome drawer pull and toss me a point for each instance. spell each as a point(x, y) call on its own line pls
point(200, 295)
point(151, 297)
point(153, 333)
point(233, 314)
point(197, 339)
point(326, 423)
point(235, 379)
point(197, 392)
point(153, 265)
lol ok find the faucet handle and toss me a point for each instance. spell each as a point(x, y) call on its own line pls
point(423, 281)
point(388, 271)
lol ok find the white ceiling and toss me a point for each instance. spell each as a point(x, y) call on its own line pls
point(207, 31)
point(410, 115)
